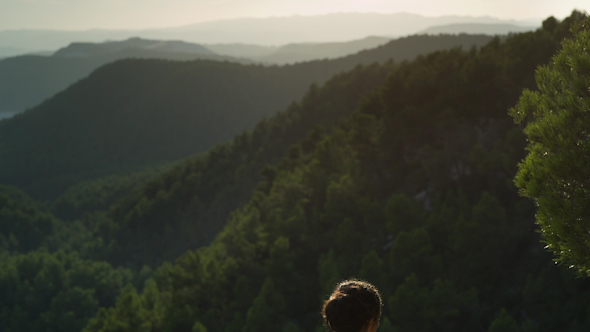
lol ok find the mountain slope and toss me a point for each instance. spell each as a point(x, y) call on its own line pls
point(26, 81)
point(136, 113)
point(413, 192)
point(192, 201)
point(407, 48)
point(186, 207)
point(305, 52)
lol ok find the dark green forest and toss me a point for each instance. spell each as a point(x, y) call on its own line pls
point(27, 80)
point(137, 113)
point(397, 172)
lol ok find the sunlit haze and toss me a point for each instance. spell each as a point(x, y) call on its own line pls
point(139, 14)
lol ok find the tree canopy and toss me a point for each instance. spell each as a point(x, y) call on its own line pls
point(555, 172)
point(409, 184)
point(413, 192)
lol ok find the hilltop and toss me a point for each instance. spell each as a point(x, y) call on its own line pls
point(27, 80)
point(84, 50)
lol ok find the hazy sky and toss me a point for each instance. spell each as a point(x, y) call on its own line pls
point(136, 14)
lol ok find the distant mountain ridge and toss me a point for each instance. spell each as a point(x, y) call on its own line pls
point(264, 31)
point(82, 50)
point(242, 50)
point(136, 113)
point(336, 27)
point(10, 51)
point(291, 53)
point(477, 28)
point(298, 52)
point(25, 81)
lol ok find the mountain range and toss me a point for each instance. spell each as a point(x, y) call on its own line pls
point(134, 113)
point(27, 80)
point(337, 27)
point(477, 28)
point(292, 53)
point(395, 171)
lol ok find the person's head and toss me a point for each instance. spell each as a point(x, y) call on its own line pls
point(354, 306)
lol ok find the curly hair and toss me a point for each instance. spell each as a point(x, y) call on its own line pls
point(352, 307)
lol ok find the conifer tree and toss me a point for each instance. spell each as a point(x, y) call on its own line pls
point(555, 173)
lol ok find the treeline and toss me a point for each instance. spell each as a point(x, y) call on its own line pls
point(408, 184)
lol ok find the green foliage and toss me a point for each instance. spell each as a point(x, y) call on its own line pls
point(412, 191)
point(415, 308)
point(198, 327)
point(328, 273)
point(265, 312)
point(504, 323)
point(555, 170)
point(27, 80)
point(291, 327)
point(372, 268)
point(134, 113)
point(135, 312)
point(185, 207)
point(24, 227)
point(402, 213)
point(55, 292)
point(100, 194)
point(412, 251)
point(385, 325)
point(407, 305)
point(161, 111)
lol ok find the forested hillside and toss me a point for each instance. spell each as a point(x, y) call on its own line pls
point(187, 206)
point(27, 80)
point(413, 192)
point(397, 173)
point(136, 113)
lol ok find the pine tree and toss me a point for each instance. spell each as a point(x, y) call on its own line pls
point(555, 173)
